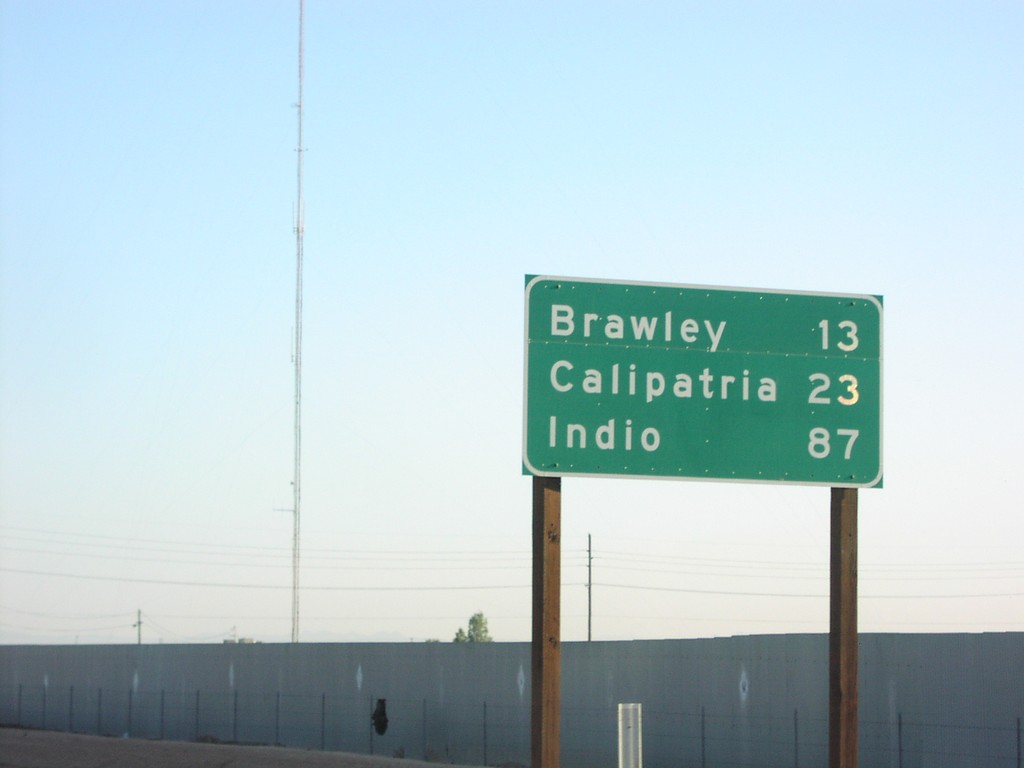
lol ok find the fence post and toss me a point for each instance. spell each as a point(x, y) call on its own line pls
point(703, 757)
point(631, 745)
point(796, 740)
point(899, 739)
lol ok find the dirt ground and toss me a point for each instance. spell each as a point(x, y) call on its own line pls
point(49, 749)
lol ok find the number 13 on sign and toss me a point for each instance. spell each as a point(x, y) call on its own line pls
point(850, 343)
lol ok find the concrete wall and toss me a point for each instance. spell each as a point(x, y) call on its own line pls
point(925, 700)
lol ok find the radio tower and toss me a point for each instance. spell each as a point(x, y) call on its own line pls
point(297, 481)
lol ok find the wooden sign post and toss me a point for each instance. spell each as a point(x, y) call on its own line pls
point(546, 648)
point(842, 634)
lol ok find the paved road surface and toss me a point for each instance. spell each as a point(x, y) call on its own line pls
point(49, 749)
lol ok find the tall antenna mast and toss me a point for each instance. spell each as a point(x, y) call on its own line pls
point(297, 481)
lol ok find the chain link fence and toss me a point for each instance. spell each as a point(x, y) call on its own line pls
point(486, 734)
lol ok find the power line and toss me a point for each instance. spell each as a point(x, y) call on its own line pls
point(486, 587)
point(469, 555)
point(190, 547)
point(67, 616)
point(65, 628)
point(579, 557)
point(399, 561)
point(738, 563)
point(363, 564)
point(646, 588)
point(269, 587)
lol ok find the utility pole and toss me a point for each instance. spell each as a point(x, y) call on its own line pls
point(138, 625)
point(590, 585)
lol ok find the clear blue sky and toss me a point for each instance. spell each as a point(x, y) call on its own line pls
point(147, 195)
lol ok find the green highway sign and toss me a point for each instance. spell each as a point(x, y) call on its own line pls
point(679, 381)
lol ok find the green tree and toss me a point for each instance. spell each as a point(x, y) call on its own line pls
point(477, 631)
